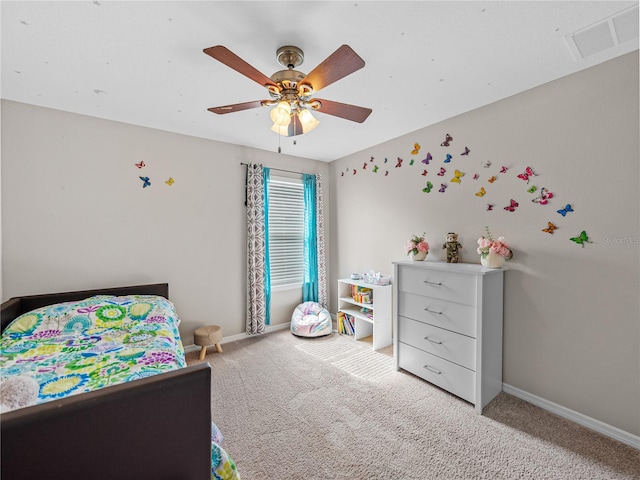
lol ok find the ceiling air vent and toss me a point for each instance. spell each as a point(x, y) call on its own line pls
point(608, 33)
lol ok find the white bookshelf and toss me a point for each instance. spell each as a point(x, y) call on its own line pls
point(376, 330)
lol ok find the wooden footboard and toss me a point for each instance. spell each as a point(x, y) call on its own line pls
point(156, 428)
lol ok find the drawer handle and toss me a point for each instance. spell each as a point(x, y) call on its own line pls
point(432, 340)
point(437, 284)
point(432, 369)
point(433, 311)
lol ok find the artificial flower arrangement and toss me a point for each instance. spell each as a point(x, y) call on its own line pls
point(416, 245)
point(487, 244)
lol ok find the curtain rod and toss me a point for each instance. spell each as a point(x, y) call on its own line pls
point(279, 169)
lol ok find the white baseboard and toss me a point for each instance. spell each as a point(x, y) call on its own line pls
point(600, 427)
point(240, 336)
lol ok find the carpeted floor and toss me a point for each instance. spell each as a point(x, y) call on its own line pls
point(330, 408)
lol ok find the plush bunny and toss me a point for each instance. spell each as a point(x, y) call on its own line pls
point(452, 247)
point(18, 392)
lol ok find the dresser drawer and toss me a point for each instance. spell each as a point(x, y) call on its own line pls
point(452, 316)
point(456, 379)
point(438, 284)
point(451, 346)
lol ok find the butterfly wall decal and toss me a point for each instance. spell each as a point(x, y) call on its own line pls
point(385, 159)
point(141, 164)
point(481, 192)
point(424, 173)
point(375, 169)
point(145, 182)
point(386, 173)
point(487, 164)
point(170, 182)
point(532, 189)
point(427, 159)
point(447, 159)
point(458, 175)
point(364, 166)
point(411, 161)
point(443, 187)
point(503, 169)
point(371, 159)
point(581, 239)
point(551, 227)
point(544, 197)
point(416, 149)
point(448, 138)
point(466, 151)
point(428, 188)
point(565, 210)
point(442, 172)
point(492, 179)
point(527, 173)
point(512, 206)
point(342, 174)
point(399, 164)
point(355, 171)
point(476, 176)
point(489, 207)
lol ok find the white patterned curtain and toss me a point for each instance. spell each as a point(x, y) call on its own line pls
point(256, 298)
point(322, 268)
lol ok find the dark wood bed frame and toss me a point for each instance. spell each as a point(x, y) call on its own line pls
point(156, 428)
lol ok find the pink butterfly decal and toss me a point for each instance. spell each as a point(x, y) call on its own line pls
point(141, 164)
point(354, 171)
point(503, 169)
point(447, 139)
point(442, 172)
point(443, 187)
point(424, 173)
point(489, 207)
point(342, 174)
point(386, 173)
point(466, 151)
point(512, 206)
point(399, 164)
point(428, 159)
point(544, 196)
point(476, 176)
point(527, 173)
point(364, 166)
point(371, 160)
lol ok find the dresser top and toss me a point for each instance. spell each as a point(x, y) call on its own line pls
point(451, 267)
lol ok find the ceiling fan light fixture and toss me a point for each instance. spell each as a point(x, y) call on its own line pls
point(281, 114)
point(308, 121)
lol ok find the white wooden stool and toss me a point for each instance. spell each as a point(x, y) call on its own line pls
point(207, 336)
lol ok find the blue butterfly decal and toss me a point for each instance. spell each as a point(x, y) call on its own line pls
point(565, 210)
point(448, 159)
point(146, 182)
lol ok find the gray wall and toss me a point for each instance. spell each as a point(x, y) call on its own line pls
point(75, 215)
point(572, 316)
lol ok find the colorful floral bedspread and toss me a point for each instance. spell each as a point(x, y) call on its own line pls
point(76, 347)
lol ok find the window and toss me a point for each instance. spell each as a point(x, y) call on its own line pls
point(286, 231)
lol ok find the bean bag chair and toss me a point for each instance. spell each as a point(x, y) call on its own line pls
point(309, 319)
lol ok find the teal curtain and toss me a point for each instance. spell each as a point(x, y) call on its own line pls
point(310, 281)
point(267, 264)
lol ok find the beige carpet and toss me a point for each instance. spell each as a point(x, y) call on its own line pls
point(330, 408)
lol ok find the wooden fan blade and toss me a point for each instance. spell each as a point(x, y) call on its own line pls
point(230, 59)
point(343, 110)
point(344, 61)
point(237, 107)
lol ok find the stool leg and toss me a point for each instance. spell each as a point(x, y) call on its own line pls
point(203, 352)
point(218, 348)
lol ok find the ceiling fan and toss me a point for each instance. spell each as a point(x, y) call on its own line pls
point(291, 91)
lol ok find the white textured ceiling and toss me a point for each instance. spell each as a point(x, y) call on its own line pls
point(426, 61)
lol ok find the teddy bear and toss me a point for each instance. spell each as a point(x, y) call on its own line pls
point(452, 247)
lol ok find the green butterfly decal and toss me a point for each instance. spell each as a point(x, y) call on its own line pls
point(532, 189)
point(580, 240)
point(428, 188)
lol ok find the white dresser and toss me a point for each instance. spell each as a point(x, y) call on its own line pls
point(447, 324)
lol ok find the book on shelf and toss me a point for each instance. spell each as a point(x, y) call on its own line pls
point(345, 323)
point(361, 294)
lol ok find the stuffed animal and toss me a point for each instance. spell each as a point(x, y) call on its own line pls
point(452, 247)
point(18, 392)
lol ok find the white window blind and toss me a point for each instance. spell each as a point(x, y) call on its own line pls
point(286, 231)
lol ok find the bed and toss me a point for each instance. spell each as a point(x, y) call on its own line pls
point(123, 404)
